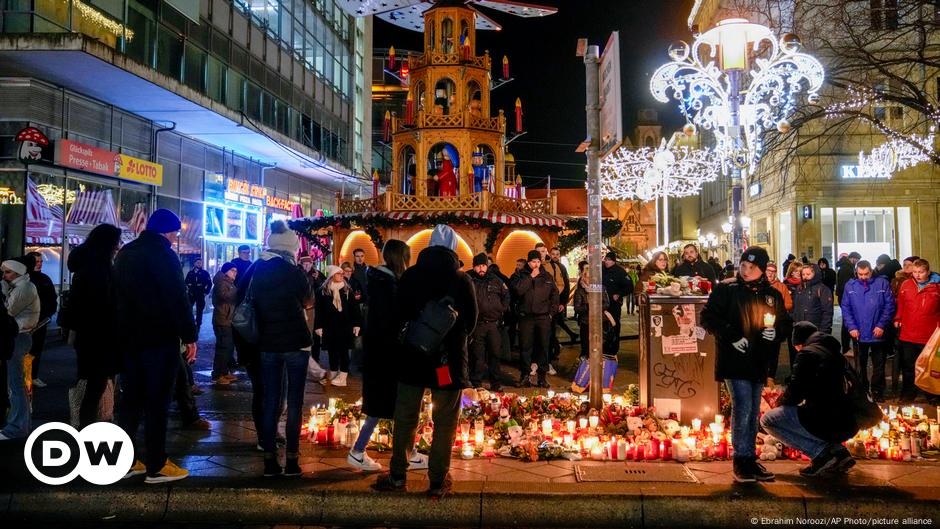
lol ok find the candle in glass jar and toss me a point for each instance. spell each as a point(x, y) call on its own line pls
point(720, 419)
point(551, 393)
point(547, 427)
point(570, 425)
point(568, 440)
point(769, 319)
point(696, 425)
point(594, 419)
point(467, 451)
point(478, 437)
point(583, 422)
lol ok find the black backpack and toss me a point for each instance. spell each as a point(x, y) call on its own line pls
point(426, 332)
point(861, 405)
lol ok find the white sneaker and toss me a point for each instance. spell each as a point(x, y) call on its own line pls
point(39, 383)
point(551, 370)
point(362, 461)
point(417, 461)
point(326, 378)
point(340, 380)
point(314, 371)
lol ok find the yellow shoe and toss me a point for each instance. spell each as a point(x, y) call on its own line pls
point(169, 472)
point(136, 470)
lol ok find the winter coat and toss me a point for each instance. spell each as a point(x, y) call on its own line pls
point(93, 311)
point(919, 309)
point(698, 268)
point(153, 308)
point(492, 297)
point(224, 298)
point(845, 274)
point(617, 282)
point(736, 310)
point(360, 278)
point(784, 293)
point(279, 291)
point(48, 298)
point(22, 302)
point(382, 350)
point(899, 278)
point(889, 270)
point(812, 302)
point(866, 305)
point(337, 325)
point(581, 304)
point(536, 296)
point(436, 275)
point(828, 278)
point(815, 387)
point(560, 276)
point(242, 266)
point(198, 284)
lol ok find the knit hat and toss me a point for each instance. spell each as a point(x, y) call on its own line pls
point(611, 255)
point(855, 255)
point(883, 259)
point(14, 266)
point(444, 235)
point(164, 221)
point(534, 254)
point(802, 331)
point(226, 267)
point(282, 238)
point(306, 259)
point(479, 259)
point(911, 258)
point(332, 270)
point(756, 256)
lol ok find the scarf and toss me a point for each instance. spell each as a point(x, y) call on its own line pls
point(755, 285)
point(336, 288)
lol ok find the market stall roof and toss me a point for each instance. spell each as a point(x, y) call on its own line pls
point(524, 219)
point(571, 202)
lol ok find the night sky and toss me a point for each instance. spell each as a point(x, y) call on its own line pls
point(550, 78)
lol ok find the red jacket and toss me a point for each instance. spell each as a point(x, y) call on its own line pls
point(918, 312)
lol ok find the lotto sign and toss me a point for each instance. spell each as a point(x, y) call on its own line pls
point(56, 453)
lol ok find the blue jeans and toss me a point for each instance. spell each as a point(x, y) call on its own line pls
point(18, 419)
point(783, 423)
point(368, 426)
point(273, 367)
point(745, 407)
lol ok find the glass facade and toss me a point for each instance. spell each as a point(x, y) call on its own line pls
point(286, 64)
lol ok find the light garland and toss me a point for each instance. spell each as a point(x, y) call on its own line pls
point(647, 174)
point(55, 195)
point(896, 155)
point(704, 91)
point(94, 16)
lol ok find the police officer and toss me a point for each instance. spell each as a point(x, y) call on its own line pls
point(537, 304)
point(492, 302)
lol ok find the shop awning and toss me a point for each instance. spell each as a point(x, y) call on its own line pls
point(524, 219)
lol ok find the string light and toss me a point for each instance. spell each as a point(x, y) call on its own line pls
point(896, 155)
point(54, 194)
point(648, 173)
point(94, 16)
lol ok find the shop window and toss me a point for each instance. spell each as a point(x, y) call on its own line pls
point(169, 53)
point(234, 90)
point(134, 210)
point(868, 231)
point(140, 20)
point(88, 204)
point(191, 179)
point(45, 212)
point(195, 68)
point(215, 80)
point(190, 239)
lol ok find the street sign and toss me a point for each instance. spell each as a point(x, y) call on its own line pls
point(611, 118)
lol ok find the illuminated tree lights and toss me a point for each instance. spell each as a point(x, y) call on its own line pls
point(648, 173)
point(896, 155)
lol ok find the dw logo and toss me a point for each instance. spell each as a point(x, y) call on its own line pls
point(56, 453)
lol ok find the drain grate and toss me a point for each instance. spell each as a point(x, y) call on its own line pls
point(635, 472)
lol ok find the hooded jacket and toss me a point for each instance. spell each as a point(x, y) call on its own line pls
point(153, 308)
point(581, 304)
point(492, 297)
point(93, 310)
point(866, 305)
point(537, 296)
point(736, 310)
point(280, 292)
point(617, 283)
point(22, 302)
point(784, 293)
point(919, 309)
point(815, 387)
point(437, 274)
point(381, 348)
point(812, 302)
point(224, 298)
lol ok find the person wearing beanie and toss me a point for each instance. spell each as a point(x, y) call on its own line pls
point(748, 320)
point(338, 321)
point(886, 266)
point(537, 304)
point(198, 285)
point(21, 301)
point(811, 415)
point(281, 295)
point(486, 343)
point(224, 298)
point(618, 285)
point(154, 317)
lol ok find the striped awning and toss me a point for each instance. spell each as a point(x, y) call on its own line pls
point(521, 219)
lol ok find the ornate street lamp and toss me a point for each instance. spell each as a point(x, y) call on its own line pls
point(752, 87)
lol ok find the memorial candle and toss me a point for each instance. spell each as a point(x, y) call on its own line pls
point(583, 422)
point(547, 427)
point(570, 425)
point(594, 419)
point(696, 425)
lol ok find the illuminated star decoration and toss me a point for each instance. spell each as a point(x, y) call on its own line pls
point(896, 155)
point(647, 173)
point(778, 74)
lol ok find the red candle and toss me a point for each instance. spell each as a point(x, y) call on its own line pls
point(375, 182)
point(639, 453)
point(654, 450)
point(321, 436)
point(505, 67)
point(722, 449)
point(631, 452)
point(391, 58)
point(329, 435)
point(409, 110)
point(666, 450)
point(387, 126)
point(518, 115)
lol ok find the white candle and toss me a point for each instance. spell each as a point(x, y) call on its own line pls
point(594, 419)
point(547, 427)
point(696, 424)
point(583, 422)
point(607, 398)
point(551, 393)
point(570, 425)
point(719, 419)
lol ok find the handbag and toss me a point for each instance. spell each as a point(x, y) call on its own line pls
point(244, 319)
point(927, 367)
point(426, 332)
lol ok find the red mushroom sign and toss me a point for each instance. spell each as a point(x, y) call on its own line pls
point(32, 142)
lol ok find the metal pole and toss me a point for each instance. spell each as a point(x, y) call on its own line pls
point(737, 177)
point(595, 289)
point(666, 239)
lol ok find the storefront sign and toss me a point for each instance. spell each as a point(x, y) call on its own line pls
point(244, 193)
point(851, 172)
point(104, 162)
point(278, 202)
point(33, 146)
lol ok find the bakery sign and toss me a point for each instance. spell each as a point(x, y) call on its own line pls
point(84, 157)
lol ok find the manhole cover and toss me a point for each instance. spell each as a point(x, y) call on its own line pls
point(635, 472)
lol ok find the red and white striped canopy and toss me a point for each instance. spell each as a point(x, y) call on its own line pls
point(524, 219)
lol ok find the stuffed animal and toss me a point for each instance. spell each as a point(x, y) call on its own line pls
point(771, 449)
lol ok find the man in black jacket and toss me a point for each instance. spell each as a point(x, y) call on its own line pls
point(749, 320)
point(436, 275)
point(486, 344)
point(812, 415)
point(618, 285)
point(242, 262)
point(198, 285)
point(537, 304)
point(48, 304)
point(692, 265)
point(154, 317)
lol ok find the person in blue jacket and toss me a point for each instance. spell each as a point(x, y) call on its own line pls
point(867, 310)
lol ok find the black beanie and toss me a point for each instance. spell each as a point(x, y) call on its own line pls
point(756, 256)
point(802, 331)
point(479, 259)
point(611, 255)
point(534, 254)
